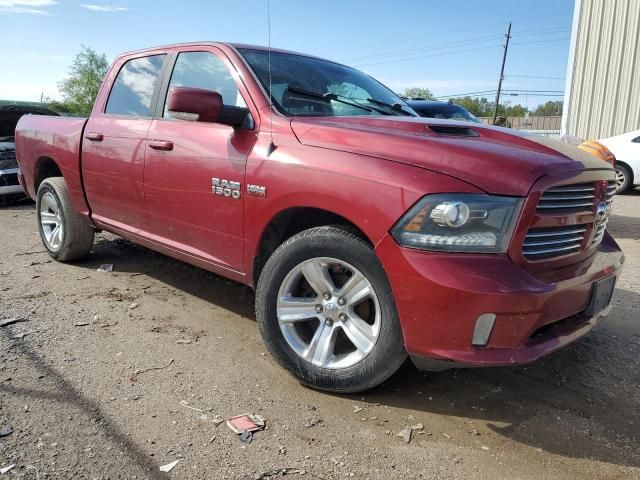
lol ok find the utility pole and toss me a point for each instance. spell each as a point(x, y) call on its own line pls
point(504, 59)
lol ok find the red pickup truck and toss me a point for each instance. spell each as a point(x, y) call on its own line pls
point(369, 233)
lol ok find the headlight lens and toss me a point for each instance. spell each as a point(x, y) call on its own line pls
point(459, 222)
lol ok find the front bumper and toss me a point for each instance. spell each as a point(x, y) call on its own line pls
point(440, 296)
point(9, 184)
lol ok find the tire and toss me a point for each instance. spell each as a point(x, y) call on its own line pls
point(74, 238)
point(624, 178)
point(345, 257)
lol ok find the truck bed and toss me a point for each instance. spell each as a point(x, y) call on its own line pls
point(39, 138)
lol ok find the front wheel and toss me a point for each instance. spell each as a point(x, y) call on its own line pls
point(623, 178)
point(64, 234)
point(327, 314)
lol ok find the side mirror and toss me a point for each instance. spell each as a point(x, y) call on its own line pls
point(194, 104)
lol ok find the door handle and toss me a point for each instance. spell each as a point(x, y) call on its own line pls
point(161, 145)
point(94, 137)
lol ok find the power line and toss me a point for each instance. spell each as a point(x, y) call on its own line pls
point(535, 76)
point(542, 30)
point(426, 56)
point(541, 41)
point(410, 51)
point(507, 91)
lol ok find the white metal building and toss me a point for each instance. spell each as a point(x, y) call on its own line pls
point(602, 91)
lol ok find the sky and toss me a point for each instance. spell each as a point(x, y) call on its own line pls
point(451, 47)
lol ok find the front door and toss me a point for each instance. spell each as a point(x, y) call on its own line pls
point(114, 143)
point(194, 171)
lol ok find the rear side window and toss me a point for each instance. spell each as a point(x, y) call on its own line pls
point(133, 89)
point(636, 140)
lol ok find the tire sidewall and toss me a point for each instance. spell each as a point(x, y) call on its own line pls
point(387, 354)
point(45, 187)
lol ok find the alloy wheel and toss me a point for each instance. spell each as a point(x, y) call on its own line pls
point(328, 312)
point(620, 179)
point(51, 221)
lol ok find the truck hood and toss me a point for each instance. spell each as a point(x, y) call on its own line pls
point(496, 160)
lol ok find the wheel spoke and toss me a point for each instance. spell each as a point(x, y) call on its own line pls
point(317, 274)
point(356, 289)
point(359, 333)
point(51, 204)
point(320, 349)
point(48, 219)
point(55, 236)
point(295, 309)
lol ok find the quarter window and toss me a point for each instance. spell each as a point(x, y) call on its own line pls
point(205, 70)
point(636, 140)
point(134, 86)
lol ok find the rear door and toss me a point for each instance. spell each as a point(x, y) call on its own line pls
point(194, 171)
point(115, 139)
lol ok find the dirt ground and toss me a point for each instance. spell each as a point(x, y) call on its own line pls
point(72, 391)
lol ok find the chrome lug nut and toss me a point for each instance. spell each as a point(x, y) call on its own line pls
point(328, 322)
point(319, 308)
point(341, 301)
point(342, 317)
point(327, 296)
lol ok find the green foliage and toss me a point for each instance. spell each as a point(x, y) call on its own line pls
point(549, 108)
point(417, 92)
point(482, 107)
point(80, 88)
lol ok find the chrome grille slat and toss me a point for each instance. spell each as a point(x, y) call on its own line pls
point(533, 234)
point(567, 197)
point(565, 205)
point(547, 251)
point(553, 241)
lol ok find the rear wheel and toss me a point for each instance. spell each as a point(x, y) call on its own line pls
point(64, 234)
point(326, 311)
point(624, 178)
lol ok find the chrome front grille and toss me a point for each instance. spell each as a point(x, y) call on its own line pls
point(552, 242)
point(601, 226)
point(567, 197)
point(611, 191)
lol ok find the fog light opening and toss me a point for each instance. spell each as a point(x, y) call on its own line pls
point(482, 331)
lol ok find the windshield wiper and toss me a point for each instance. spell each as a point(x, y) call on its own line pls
point(393, 106)
point(326, 97)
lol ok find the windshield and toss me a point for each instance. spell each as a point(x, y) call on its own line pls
point(305, 86)
point(448, 111)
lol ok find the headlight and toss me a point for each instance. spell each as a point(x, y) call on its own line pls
point(459, 222)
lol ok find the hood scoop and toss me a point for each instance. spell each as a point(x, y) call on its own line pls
point(454, 131)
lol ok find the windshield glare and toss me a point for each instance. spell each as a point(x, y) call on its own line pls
point(322, 77)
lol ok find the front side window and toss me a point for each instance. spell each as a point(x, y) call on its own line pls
point(205, 70)
point(306, 86)
point(134, 86)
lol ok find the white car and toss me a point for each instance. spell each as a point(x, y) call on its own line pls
point(626, 148)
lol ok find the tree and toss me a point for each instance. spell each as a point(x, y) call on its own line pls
point(417, 92)
point(550, 108)
point(80, 88)
point(480, 107)
point(514, 110)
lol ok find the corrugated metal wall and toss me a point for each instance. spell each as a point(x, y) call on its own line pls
point(602, 93)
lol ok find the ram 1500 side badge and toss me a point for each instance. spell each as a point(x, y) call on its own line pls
point(225, 188)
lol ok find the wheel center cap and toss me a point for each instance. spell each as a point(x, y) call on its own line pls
point(331, 309)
